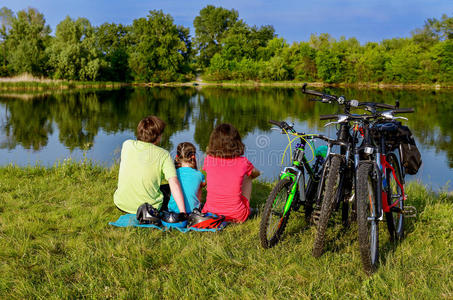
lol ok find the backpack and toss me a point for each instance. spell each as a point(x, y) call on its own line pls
point(411, 159)
point(400, 136)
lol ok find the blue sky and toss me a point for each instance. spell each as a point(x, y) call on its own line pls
point(294, 20)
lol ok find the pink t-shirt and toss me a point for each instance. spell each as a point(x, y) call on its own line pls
point(224, 179)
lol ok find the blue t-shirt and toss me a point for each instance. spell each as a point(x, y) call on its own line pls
point(190, 180)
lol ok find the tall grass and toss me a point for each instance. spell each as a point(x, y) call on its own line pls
point(29, 82)
point(56, 243)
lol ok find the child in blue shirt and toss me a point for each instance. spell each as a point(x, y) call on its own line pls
point(190, 178)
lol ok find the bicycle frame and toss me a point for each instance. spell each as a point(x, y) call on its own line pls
point(297, 175)
point(383, 182)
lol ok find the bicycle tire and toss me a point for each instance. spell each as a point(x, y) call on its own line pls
point(368, 230)
point(274, 207)
point(331, 187)
point(395, 220)
point(310, 199)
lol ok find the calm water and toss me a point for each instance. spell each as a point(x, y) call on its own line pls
point(46, 128)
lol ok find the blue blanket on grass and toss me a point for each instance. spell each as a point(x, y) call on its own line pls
point(130, 220)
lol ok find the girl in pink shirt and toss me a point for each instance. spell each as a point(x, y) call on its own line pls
point(229, 175)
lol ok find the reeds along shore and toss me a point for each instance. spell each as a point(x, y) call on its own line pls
point(27, 82)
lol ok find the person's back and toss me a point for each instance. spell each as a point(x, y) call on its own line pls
point(142, 168)
point(229, 175)
point(190, 178)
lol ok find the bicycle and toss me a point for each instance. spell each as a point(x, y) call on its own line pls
point(340, 176)
point(380, 186)
point(291, 191)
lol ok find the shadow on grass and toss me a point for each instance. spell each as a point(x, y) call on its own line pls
point(339, 237)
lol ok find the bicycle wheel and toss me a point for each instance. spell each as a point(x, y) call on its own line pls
point(395, 219)
point(312, 187)
point(368, 230)
point(331, 185)
point(273, 222)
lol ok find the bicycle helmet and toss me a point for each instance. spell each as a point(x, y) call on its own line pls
point(197, 219)
point(147, 214)
point(172, 219)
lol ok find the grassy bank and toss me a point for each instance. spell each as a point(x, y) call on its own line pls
point(363, 85)
point(30, 83)
point(27, 82)
point(55, 243)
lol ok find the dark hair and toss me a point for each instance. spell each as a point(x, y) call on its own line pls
point(185, 153)
point(225, 142)
point(149, 129)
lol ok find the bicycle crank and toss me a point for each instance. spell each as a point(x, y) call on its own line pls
point(410, 212)
point(315, 216)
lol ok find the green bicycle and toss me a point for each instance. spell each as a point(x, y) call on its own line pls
point(291, 191)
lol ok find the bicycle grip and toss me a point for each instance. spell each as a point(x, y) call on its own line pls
point(328, 117)
point(403, 110)
point(314, 93)
point(383, 105)
point(276, 123)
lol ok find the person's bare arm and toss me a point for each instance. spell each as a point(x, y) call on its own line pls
point(176, 191)
point(255, 173)
point(199, 194)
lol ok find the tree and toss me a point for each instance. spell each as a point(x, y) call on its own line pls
point(302, 61)
point(73, 54)
point(159, 49)
point(112, 42)
point(6, 20)
point(211, 26)
point(27, 40)
point(433, 31)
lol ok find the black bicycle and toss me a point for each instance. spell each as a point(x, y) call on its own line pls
point(339, 178)
point(292, 190)
point(380, 184)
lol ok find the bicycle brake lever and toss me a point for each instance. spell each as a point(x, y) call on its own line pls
point(330, 123)
point(402, 118)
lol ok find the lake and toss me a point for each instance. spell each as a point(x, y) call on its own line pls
point(47, 127)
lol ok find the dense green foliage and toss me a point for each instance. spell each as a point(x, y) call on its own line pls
point(56, 243)
point(225, 47)
point(151, 49)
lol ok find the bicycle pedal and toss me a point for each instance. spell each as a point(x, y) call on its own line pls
point(296, 205)
point(410, 212)
point(315, 216)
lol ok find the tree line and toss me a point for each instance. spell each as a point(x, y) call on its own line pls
point(225, 47)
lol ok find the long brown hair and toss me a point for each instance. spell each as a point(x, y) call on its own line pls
point(225, 141)
point(185, 153)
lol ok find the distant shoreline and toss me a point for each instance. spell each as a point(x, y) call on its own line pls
point(300, 84)
point(47, 84)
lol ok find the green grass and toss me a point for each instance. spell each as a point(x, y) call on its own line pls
point(55, 243)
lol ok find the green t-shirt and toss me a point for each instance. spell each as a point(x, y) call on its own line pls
point(142, 168)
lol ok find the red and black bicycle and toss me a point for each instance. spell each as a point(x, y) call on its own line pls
point(380, 182)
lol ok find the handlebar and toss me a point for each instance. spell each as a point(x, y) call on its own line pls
point(370, 106)
point(377, 105)
point(275, 123)
point(318, 94)
point(283, 125)
point(328, 117)
point(403, 110)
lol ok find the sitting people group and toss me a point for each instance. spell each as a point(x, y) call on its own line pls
point(144, 165)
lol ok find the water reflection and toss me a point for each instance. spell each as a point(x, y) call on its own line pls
point(98, 121)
